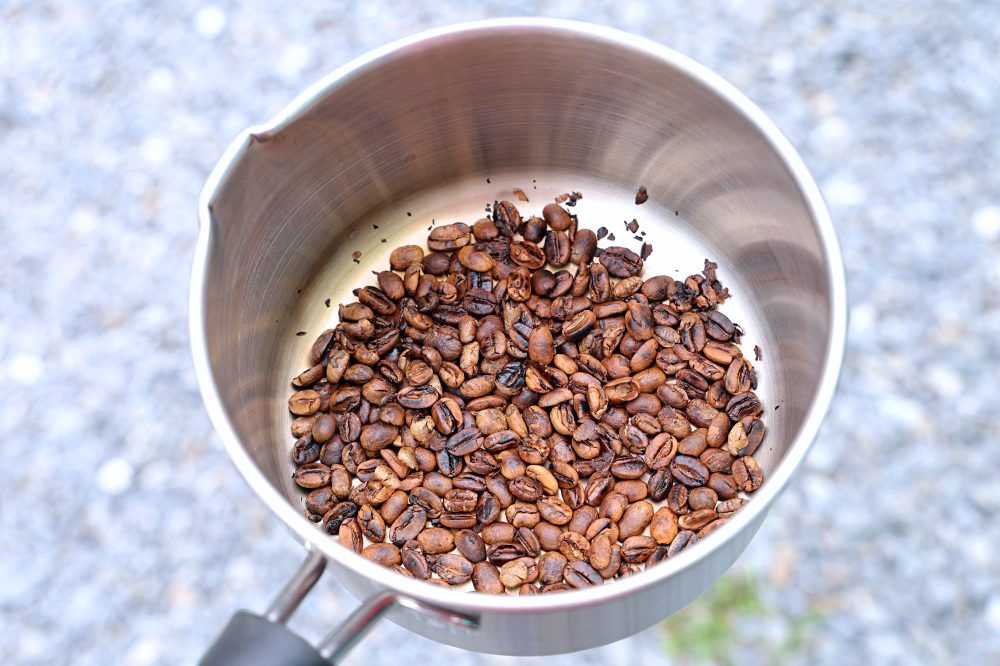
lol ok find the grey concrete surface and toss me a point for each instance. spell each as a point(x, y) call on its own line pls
point(127, 536)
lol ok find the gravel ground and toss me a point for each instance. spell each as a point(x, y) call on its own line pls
point(121, 542)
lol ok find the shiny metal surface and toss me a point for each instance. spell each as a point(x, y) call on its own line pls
point(297, 589)
point(418, 127)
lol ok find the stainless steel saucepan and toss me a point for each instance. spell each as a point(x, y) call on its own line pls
point(434, 127)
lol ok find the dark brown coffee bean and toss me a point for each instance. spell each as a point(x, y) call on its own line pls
point(417, 397)
point(584, 247)
point(579, 574)
point(747, 474)
point(694, 444)
point(635, 519)
point(386, 554)
point(540, 347)
point(304, 403)
point(574, 546)
point(470, 545)
point(498, 533)
point(637, 549)
point(312, 475)
point(408, 525)
point(663, 527)
point(621, 262)
point(689, 471)
point(677, 498)
point(628, 467)
point(582, 519)
point(525, 488)
point(702, 498)
point(744, 405)
point(320, 500)
point(503, 552)
point(321, 346)
point(486, 578)
point(579, 325)
point(340, 512)
point(551, 566)
point(657, 288)
point(717, 460)
point(527, 254)
point(377, 436)
point(453, 569)
point(621, 390)
point(682, 541)
point(556, 217)
point(639, 320)
point(557, 248)
point(723, 484)
point(519, 571)
point(306, 450)
point(436, 540)
point(718, 326)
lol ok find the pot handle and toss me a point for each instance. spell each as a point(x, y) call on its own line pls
point(250, 639)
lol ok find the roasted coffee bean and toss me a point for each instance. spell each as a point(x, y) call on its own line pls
point(717, 460)
point(503, 552)
point(408, 525)
point(519, 571)
point(747, 474)
point(404, 255)
point(677, 498)
point(635, 519)
point(486, 578)
point(664, 526)
point(557, 249)
point(637, 549)
point(556, 217)
point(312, 475)
point(320, 500)
point(682, 541)
point(541, 349)
point(414, 561)
point(574, 546)
point(453, 568)
point(526, 538)
point(744, 405)
point(436, 540)
point(495, 533)
point(377, 436)
point(689, 471)
point(621, 390)
point(658, 484)
point(728, 507)
point(304, 403)
point(488, 508)
point(418, 397)
point(459, 501)
point(470, 545)
point(702, 498)
point(628, 467)
point(554, 510)
point(621, 262)
point(306, 450)
point(580, 574)
point(340, 512)
point(723, 484)
point(477, 390)
point(551, 566)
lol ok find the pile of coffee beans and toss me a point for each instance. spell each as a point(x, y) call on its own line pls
point(516, 407)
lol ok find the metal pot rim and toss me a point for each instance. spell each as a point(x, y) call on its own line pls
point(675, 566)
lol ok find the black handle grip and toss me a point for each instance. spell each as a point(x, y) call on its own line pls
point(250, 640)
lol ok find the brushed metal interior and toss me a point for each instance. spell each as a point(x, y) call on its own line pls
point(435, 127)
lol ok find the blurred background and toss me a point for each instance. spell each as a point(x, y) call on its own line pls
point(127, 535)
